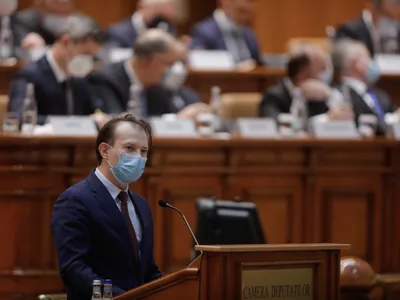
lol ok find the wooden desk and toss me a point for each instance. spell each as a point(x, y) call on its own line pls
point(307, 191)
point(202, 81)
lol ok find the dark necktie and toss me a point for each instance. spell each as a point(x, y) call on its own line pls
point(377, 105)
point(67, 89)
point(123, 197)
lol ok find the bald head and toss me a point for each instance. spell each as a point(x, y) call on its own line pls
point(319, 59)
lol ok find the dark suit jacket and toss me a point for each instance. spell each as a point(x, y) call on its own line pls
point(112, 85)
point(360, 107)
point(124, 35)
point(357, 30)
point(277, 100)
point(93, 241)
point(50, 95)
point(30, 21)
point(208, 36)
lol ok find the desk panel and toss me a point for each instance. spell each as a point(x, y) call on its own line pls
point(306, 191)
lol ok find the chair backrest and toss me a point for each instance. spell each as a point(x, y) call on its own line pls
point(324, 43)
point(240, 105)
point(3, 108)
point(53, 297)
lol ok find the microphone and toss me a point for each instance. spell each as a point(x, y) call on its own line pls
point(164, 203)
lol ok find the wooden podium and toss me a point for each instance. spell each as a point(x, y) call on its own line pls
point(290, 272)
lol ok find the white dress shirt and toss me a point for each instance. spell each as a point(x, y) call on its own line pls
point(114, 192)
point(238, 48)
point(60, 75)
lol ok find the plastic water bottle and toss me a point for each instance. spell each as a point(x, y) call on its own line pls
point(107, 293)
point(96, 294)
point(299, 112)
point(6, 39)
point(215, 102)
point(29, 111)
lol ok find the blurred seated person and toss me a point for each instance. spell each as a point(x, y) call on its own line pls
point(228, 30)
point(44, 22)
point(357, 74)
point(377, 28)
point(10, 31)
point(59, 86)
point(150, 14)
point(137, 85)
point(309, 75)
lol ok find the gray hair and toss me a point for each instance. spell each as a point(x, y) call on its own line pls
point(344, 52)
point(153, 41)
point(81, 27)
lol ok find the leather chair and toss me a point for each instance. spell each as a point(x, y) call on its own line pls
point(240, 105)
point(324, 43)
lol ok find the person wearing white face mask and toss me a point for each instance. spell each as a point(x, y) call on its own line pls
point(145, 85)
point(377, 28)
point(60, 88)
point(44, 22)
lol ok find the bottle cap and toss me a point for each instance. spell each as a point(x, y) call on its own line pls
point(96, 282)
point(108, 281)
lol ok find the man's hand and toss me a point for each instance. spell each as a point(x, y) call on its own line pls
point(191, 111)
point(342, 113)
point(313, 89)
point(246, 66)
point(32, 41)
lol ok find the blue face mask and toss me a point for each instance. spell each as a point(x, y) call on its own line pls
point(373, 74)
point(326, 76)
point(129, 168)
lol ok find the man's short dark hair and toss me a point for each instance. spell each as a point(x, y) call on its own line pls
point(107, 132)
point(151, 43)
point(296, 64)
point(81, 28)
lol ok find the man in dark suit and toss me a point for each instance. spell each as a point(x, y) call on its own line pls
point(136, 85)
point(44, 22)
point(103, 230)
point(357, 74)
point(308, 78)
point(57, 77)
point(150, 14)
point(228, 30)
point(377, 28)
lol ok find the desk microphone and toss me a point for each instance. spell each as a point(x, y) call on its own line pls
point(164, 203)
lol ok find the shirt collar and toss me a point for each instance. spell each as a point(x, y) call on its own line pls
point(367, 18)
point(57, 71)
point(357, 85)
point(131, 73)
point(111, 188)
point(291, 88)
point(138, 23)
point(224, 22)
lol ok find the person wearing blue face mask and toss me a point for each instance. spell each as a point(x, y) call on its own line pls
point(102, 229)
point(358, 72)
point(309, 74)
point(377, 28)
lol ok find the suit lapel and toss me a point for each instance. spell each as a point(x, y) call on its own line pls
point(111, 210)
point(219, 36)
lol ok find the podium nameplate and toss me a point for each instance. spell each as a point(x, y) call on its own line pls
point(288, 284)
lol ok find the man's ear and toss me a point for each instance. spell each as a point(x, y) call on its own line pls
point(104, 150)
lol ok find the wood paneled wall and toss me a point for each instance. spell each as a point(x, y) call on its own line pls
point(275, 21)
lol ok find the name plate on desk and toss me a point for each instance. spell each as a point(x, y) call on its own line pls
point(181, 128)
point(288, 284)
point(396, 131)
point(73, 125)
point(257, 128)
point(335, 130)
